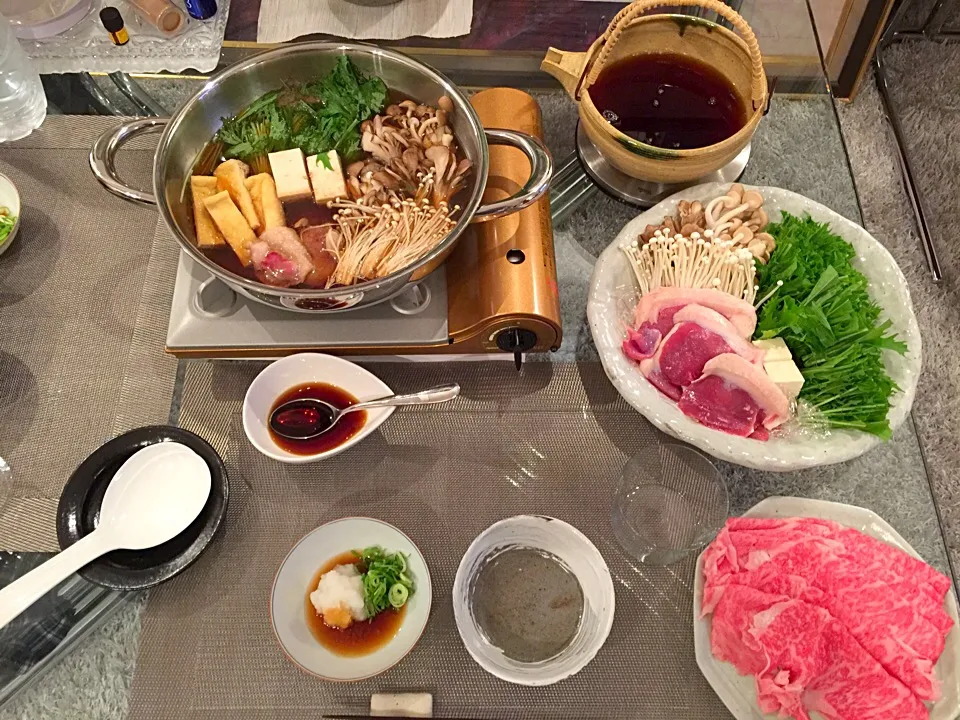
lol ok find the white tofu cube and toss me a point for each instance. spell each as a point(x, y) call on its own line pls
point(785, 375)
point(326, 177)
point(290, 174)
point(776, 349)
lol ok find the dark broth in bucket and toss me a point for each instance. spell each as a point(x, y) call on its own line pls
point(670, 101)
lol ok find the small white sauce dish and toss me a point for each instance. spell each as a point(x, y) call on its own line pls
point(580, 556)
point(278, 377)
point(287, 599)
point(10, 199)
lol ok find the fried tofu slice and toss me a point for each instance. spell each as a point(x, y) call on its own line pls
point(253, 187)
point(208, 234)
point(273, 215)
point(231, 176)
point(263, 191)
point(232, 224)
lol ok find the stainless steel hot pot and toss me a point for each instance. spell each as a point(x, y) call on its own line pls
point(195, 123)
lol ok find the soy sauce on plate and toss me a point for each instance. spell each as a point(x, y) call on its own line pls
point(669, 101)
point(348, 426)
point(361, 638)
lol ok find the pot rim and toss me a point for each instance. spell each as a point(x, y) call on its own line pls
point(345, 48)
point(738, 138)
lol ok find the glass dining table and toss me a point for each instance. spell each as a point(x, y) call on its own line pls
point(798, 146)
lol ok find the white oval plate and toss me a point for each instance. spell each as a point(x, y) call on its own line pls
point(613, 297)
point(287, 610)
point(285, 373)
point(579, 555)
point(738, 692)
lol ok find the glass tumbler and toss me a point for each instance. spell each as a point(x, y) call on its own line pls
point(668, 504)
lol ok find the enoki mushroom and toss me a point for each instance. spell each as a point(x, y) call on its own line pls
point(377, 241)
point(693, 262)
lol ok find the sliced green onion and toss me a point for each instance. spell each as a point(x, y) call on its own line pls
point(398, 595)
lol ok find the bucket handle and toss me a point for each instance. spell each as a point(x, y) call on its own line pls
point(758, 81)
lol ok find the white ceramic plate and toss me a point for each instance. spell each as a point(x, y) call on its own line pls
point(10, 199)
point(579, 555)
point(287, 609)
point(613, 297)
point(288, 372)
point(738, 692)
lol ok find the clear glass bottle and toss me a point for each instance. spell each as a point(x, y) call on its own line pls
point(23, 104)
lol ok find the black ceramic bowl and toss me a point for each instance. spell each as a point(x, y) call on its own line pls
point(79, 511)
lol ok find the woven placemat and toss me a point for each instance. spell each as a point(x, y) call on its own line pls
point(84, 300)
point(551, 439)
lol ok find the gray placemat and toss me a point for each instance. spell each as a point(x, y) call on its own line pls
point(84, 299)
point(551, 439)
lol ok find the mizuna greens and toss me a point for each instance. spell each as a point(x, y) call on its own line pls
point(317, 117)
point(833, 329)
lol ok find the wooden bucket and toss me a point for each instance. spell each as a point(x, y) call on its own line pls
point(736, 57)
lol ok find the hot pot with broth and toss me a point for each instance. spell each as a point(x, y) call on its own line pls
point(393, 157)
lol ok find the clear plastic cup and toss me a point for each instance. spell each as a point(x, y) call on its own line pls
point(669, 504)
point(23, 104)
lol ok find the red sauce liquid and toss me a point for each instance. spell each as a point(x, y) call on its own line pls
point(361, 638)
point(348, 426)
point(670, 101)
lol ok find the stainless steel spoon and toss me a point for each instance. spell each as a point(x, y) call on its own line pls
point(307, 418)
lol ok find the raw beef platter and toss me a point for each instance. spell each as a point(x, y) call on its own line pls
point(828, 621)
point(757, 325)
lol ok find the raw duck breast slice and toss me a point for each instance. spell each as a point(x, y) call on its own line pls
point(657, 307)
point(734, 396)
point(716, 323)
point(803, 659)
point(699, 335)
point(642, 343)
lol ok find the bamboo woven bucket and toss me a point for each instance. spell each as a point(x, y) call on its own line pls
point(736, 57)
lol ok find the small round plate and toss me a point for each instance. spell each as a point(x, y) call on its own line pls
point(10, 199)
point(288, 599)
point(79, 511)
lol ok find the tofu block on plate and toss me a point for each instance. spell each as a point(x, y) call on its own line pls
point(231, 176)
point(232, 224)
point(290, 174)
point(208, 234)
point(326, 176)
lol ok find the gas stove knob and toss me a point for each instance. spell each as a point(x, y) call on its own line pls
point(516, 340)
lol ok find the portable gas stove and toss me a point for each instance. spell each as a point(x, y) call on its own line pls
point(496, 293)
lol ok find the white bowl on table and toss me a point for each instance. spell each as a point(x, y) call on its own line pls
point(581, 557)
point(10, 199)
point(287, 599)
point(293, 370)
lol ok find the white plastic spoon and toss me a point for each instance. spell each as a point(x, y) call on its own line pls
point(153, 497)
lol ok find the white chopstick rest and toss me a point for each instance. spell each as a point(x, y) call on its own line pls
point(410, 705)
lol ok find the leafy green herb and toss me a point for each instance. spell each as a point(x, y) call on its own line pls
point(385, 583)
point(7, 221)
point(317, 117)
point(826, 317)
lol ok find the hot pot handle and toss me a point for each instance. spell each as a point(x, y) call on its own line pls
point(541, 170)
point(104, 152)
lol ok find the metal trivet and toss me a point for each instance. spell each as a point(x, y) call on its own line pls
point(641, 192)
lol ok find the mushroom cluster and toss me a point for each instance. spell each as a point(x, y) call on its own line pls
point(737, 216)
point(408, 143)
